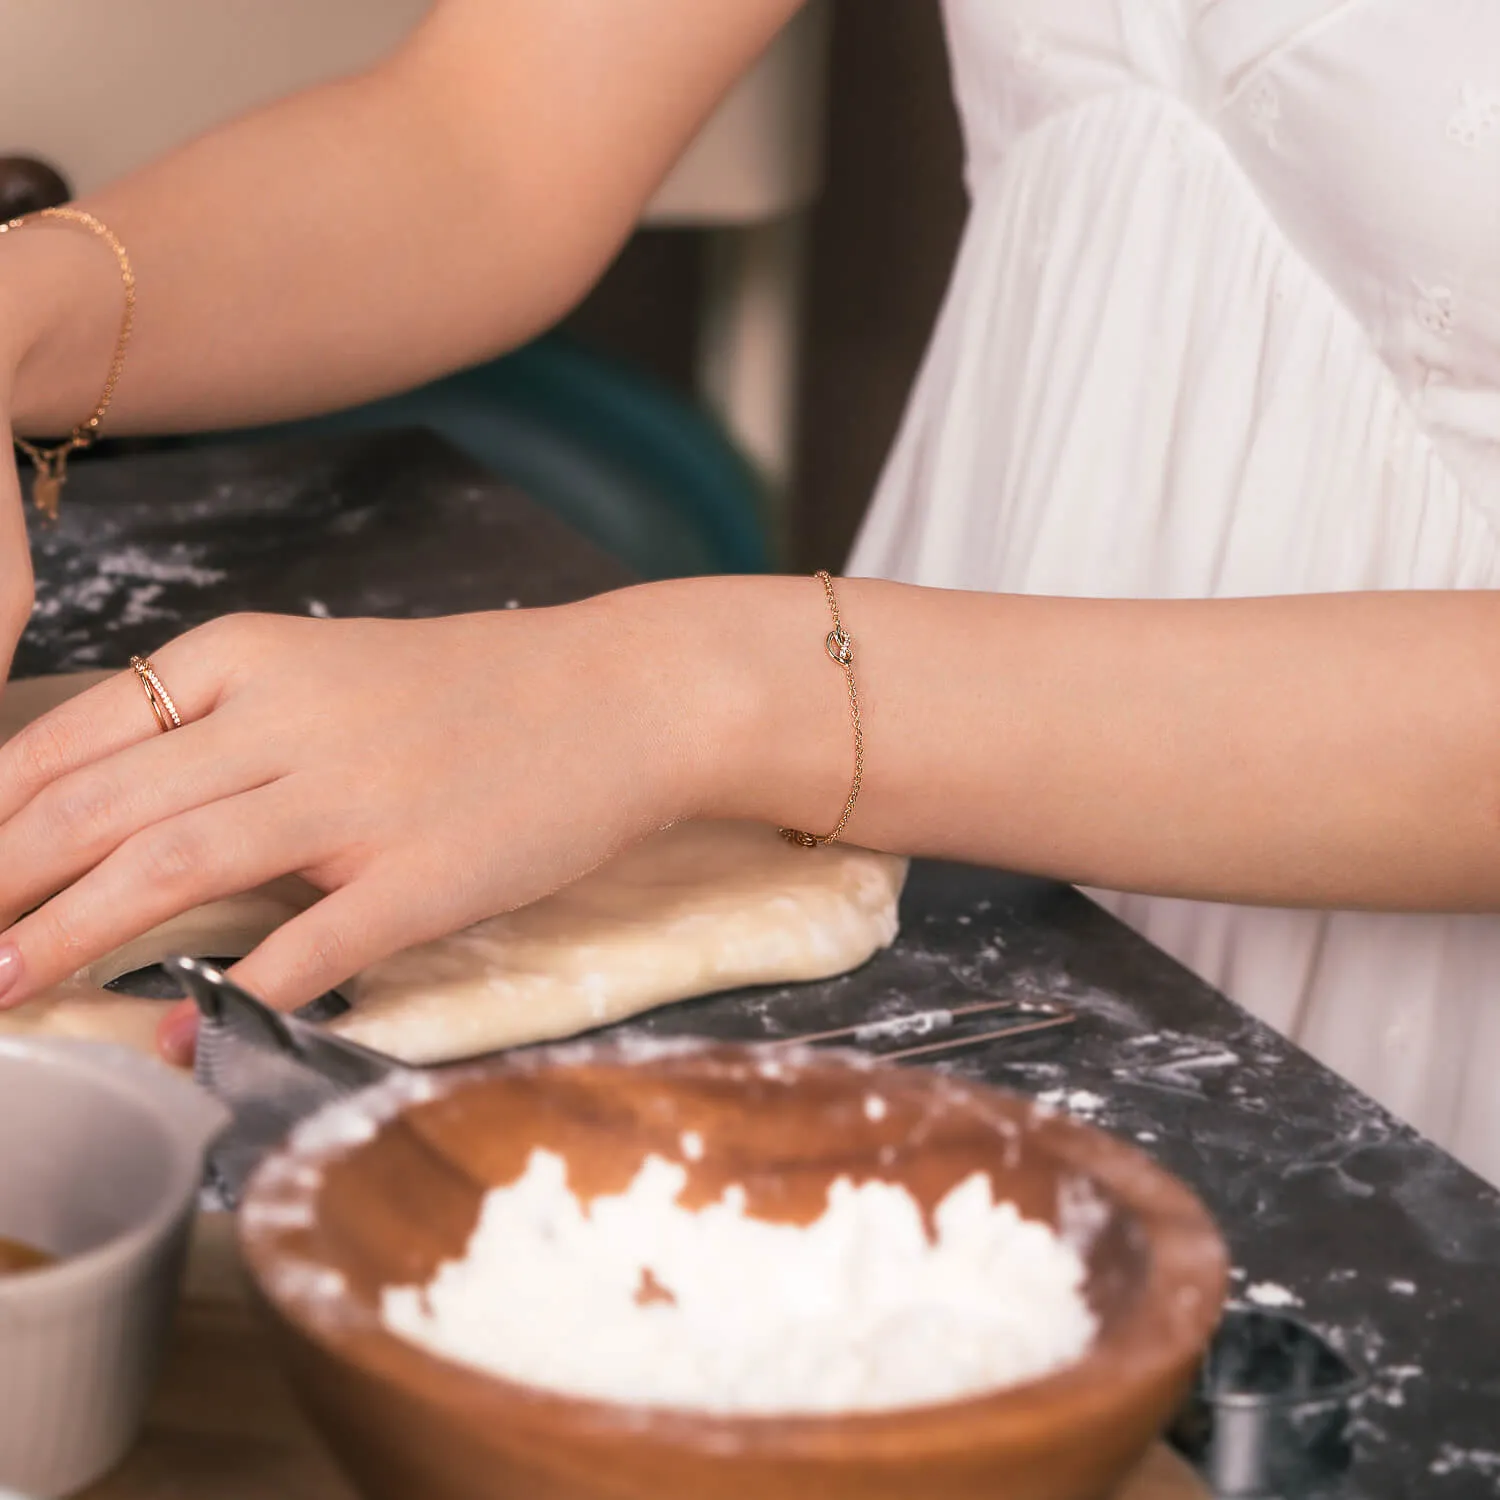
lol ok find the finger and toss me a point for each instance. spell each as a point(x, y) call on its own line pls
point(105, 719)
point(204, 855)
point(303, 959)
point(177, 1034)
point(348, 930)
point(75, 823)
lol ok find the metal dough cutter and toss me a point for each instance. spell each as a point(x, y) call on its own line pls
point(272, 1070)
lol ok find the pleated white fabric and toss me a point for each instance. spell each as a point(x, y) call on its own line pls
point(1226, 321)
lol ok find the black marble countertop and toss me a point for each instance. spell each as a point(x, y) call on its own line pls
point(1331, 1207)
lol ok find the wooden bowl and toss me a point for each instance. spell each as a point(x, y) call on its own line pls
point(381, 1190)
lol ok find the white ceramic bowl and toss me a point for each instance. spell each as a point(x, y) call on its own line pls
point(101, 1157)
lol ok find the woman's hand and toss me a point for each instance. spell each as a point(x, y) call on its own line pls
point(423, 775)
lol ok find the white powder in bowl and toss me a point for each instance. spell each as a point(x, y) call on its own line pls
point(637, 1299)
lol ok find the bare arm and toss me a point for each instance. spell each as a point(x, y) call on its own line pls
point(1334, 750)
point(366, 235)
point(1327, 750)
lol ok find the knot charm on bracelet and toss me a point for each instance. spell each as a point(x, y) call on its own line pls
point(840, 647)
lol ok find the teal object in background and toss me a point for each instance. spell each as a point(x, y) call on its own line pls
point(624, 459)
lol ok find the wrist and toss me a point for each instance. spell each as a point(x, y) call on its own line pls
point(754, 714)
point(59, 318)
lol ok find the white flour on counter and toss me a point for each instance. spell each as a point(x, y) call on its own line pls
point(639, 1300)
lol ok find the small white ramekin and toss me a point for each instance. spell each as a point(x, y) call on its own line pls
point(101, 1158)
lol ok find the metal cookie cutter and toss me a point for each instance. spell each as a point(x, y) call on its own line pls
point(1270, 1412)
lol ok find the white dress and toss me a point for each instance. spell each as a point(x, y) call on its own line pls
point(1226, 320)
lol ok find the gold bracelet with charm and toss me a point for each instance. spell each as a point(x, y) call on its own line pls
point(840, 648)
point(52, 462)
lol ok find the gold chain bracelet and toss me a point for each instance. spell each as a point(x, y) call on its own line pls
point(840, 648)
point(52, 463)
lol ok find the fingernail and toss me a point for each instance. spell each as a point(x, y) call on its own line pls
point(177, 1036)
point(10, 969)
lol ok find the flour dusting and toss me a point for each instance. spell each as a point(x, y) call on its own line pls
point(1271, 1294)
point(1452, 1459)
point(1078, 1102)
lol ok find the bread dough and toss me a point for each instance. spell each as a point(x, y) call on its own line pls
point(699, 908)
point(692, 910)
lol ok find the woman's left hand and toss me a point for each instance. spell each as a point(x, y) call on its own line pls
point(422, 775)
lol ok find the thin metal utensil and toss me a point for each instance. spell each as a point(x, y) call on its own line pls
point(1049, 1018)
point(274, 1070)
point(224, 1009)
point(953, 1044)
point(892, 1026)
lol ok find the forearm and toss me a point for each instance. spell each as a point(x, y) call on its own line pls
point(1325, 750)
point(374, 232)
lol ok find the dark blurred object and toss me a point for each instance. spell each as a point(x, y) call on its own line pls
point(1271, 1409)
point(885, 232)
point(27, 186)
point(641, 472)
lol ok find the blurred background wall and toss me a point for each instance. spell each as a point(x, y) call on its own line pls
point(884, 231)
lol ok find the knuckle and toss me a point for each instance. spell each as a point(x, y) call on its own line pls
point(236, 645)
point(171, 857)
point(43, 752)
point(322, 956)
point(246, 630)
point(209, 642)
point(56, 940)
point(82, 810)
point(218, 630)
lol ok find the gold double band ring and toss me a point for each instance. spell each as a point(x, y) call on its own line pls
point(156, 695)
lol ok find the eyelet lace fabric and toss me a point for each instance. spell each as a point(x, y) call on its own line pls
point(1477, 119)
point(1226, 321)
